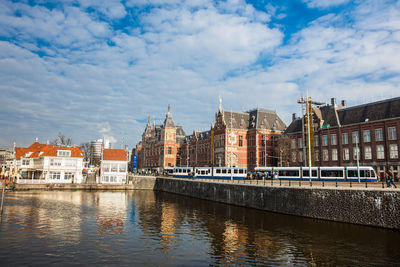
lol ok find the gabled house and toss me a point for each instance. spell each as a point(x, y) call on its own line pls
point(44, 163)
point(114, 166)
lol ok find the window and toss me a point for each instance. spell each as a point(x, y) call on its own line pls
point(106, 167)
point(315, 140)
point(380, 152)
point(325, 155)
point(114, 167)
point(378, 135)
point(63, 153)
point(333, 139)
point(394, 152)
point(356, 153)
point(316, 155)
point(300, 142)
point(55, 162)
point(240, 140)
point(293, 156)
point(25, 162)
point(68, 176)
point(367, 136)
point(392, 135)
point(122, 167)
point(301, 156)
point(345, 137)
point(324, 140)
point(346, 154)
point(293, 143)
point(169, 150)
point(334, 154)
point(263, 140)
point(70, 163)
point(55, 175)
point(367, 152)
point(354, 137)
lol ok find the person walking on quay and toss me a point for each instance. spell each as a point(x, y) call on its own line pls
point(391, 178)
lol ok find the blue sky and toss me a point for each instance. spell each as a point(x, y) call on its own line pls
point(98, 68)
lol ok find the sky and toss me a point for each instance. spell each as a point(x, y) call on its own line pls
point(92, 69)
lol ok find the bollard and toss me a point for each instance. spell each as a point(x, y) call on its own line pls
point(351, 184)
point(366, 184)
point(383, 184)
point(289, 182)
point(272, 182)
point(257, 182)
point(336, 182)
point(323, 183)
point(280, 182)
point(299, 183)
point(264, 182)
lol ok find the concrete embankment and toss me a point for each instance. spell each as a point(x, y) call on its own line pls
point(135, 182)
point(374, 207)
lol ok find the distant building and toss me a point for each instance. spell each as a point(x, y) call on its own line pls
point(114, 166)
point(253, 135)
point(43, 163)
point(344, 134)
point(96, 147)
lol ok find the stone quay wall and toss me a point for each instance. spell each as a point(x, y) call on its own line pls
point(373, 207)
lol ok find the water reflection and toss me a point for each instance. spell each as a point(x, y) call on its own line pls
point(153, 228)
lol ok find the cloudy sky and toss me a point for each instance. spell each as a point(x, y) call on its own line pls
point(91, 68)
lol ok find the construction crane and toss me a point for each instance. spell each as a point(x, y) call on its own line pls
point(309, 156)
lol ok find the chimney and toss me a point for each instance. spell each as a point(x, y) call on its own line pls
point(293, 116)
point(344, 103)
point(333, 101)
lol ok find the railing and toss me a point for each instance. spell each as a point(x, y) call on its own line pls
point(31, 181)
point(296, 183)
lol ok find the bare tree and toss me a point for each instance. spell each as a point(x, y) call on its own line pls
point(86, 151)
point(283, 150)
point(61, 139)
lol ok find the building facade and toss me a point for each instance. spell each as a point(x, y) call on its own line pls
point(44, 163)
point(343, 136)
point(114, 166)
point(242, 139)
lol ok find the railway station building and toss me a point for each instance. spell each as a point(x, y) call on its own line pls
point(343, 136)
point(239, 139)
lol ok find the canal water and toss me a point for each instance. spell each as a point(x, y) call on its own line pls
point(159, 229)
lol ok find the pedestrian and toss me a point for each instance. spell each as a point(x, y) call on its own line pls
point(391, 178)
point(387, 179)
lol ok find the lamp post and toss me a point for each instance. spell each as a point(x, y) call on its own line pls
point(358, 160)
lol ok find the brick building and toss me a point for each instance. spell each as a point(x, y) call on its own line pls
point(253, 136)
point(159, 146)
point(342, 134)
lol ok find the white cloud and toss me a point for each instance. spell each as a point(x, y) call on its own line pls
point(324, 3)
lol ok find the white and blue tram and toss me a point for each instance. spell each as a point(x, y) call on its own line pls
point(367, 174)
point(238, 173)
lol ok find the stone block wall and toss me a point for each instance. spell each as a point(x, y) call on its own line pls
point(373, 207)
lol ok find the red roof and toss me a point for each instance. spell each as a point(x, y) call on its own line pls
point(114, 154)
point(44, 150)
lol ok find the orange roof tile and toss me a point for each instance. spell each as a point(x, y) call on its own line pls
point(47, 151)
point(114, 154)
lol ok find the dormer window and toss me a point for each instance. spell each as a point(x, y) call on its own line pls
point(63, 153)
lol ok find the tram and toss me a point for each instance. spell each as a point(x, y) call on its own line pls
point(238, 173)
point(367, 173)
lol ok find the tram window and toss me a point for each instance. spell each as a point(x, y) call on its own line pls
point(236, 170)
point(218, 171)
point(240, 171)
point(223, 171)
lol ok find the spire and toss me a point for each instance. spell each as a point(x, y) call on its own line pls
point(148, 120)
point(168, 122)
point(220, 105)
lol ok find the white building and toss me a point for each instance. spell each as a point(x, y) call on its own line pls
point(42, 163)
point(114, 166)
